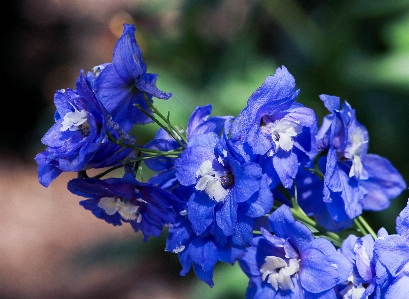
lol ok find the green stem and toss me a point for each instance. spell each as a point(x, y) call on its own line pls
point(131, 161)
point(100, 175)
point(361, 228)
point(320, 231)
point(152, 152)
point(169, 128)
point(316, 171)
point(367, 226)
point(167, 121)
point(301, 216)
point(171, 132)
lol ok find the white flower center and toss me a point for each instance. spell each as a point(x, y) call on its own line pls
point(98, 69)
point(282, 132)
point(179, 249)
point(128, 211)
point(76, 120)
point(212, 182)
point(353, 152)
point(278, 273)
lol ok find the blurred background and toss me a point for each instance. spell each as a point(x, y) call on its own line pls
point(205, 51)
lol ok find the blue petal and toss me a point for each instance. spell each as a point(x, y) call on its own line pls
point(147, 84)
point(284, 226)
point(322, 267)
point(198, 116)
point(226, 215)
point(393, 252)
point(204, 254)
point(352, 194)
point(119, 98)
point(329, 294)
point(402, 223)
point(332, 103)
point(399, 288)
point(258, 290)
point(186, 262)
point(383, 184)
point(364, 253)
point(243, 231)
point(178, 235)
point(92, 205)
point(127, 57)
point(247, 179)
point(277, 92)
point(347, 248)
point(46, 173)
point(200, 211)
point(200, 149)
point(260, 203)
point(286, 166)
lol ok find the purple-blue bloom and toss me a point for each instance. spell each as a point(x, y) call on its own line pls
point(292, 263)
point(353, 179)
point(78, 139)
point(274, 126)
point(147, 208)
point(122, 84)
point(228, 192)
point(381, 266)
point(392, 254)
point(201, 252)
point(362, 280)
point(199, 122)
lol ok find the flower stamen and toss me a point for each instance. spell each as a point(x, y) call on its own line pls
point(212, 182)
point(276, 271)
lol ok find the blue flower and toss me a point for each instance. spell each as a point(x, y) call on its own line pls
point(310, 199)
point(199, 123)
point(362, 280)
point(291, 263)
point(78, 139)
point(228, 192)
point(274, 126)
point(122, 84)
point(353, 180)
point(392, 254)
point(380, 266)
point(147, 208)
point(201, 252)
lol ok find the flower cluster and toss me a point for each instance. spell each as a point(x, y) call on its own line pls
point(269, 189)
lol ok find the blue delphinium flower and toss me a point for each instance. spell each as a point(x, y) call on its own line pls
point(228, 192)
point(199, 123)
point(78, 139)
point(147, 208)
point(292, 263)
point(202, 251)
point(310, 199)
point(362, 280)
point(380, 266)
point(274, 126)
point(392, 254)
point(347, 142)
point(353, 179)
point(122, 84)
